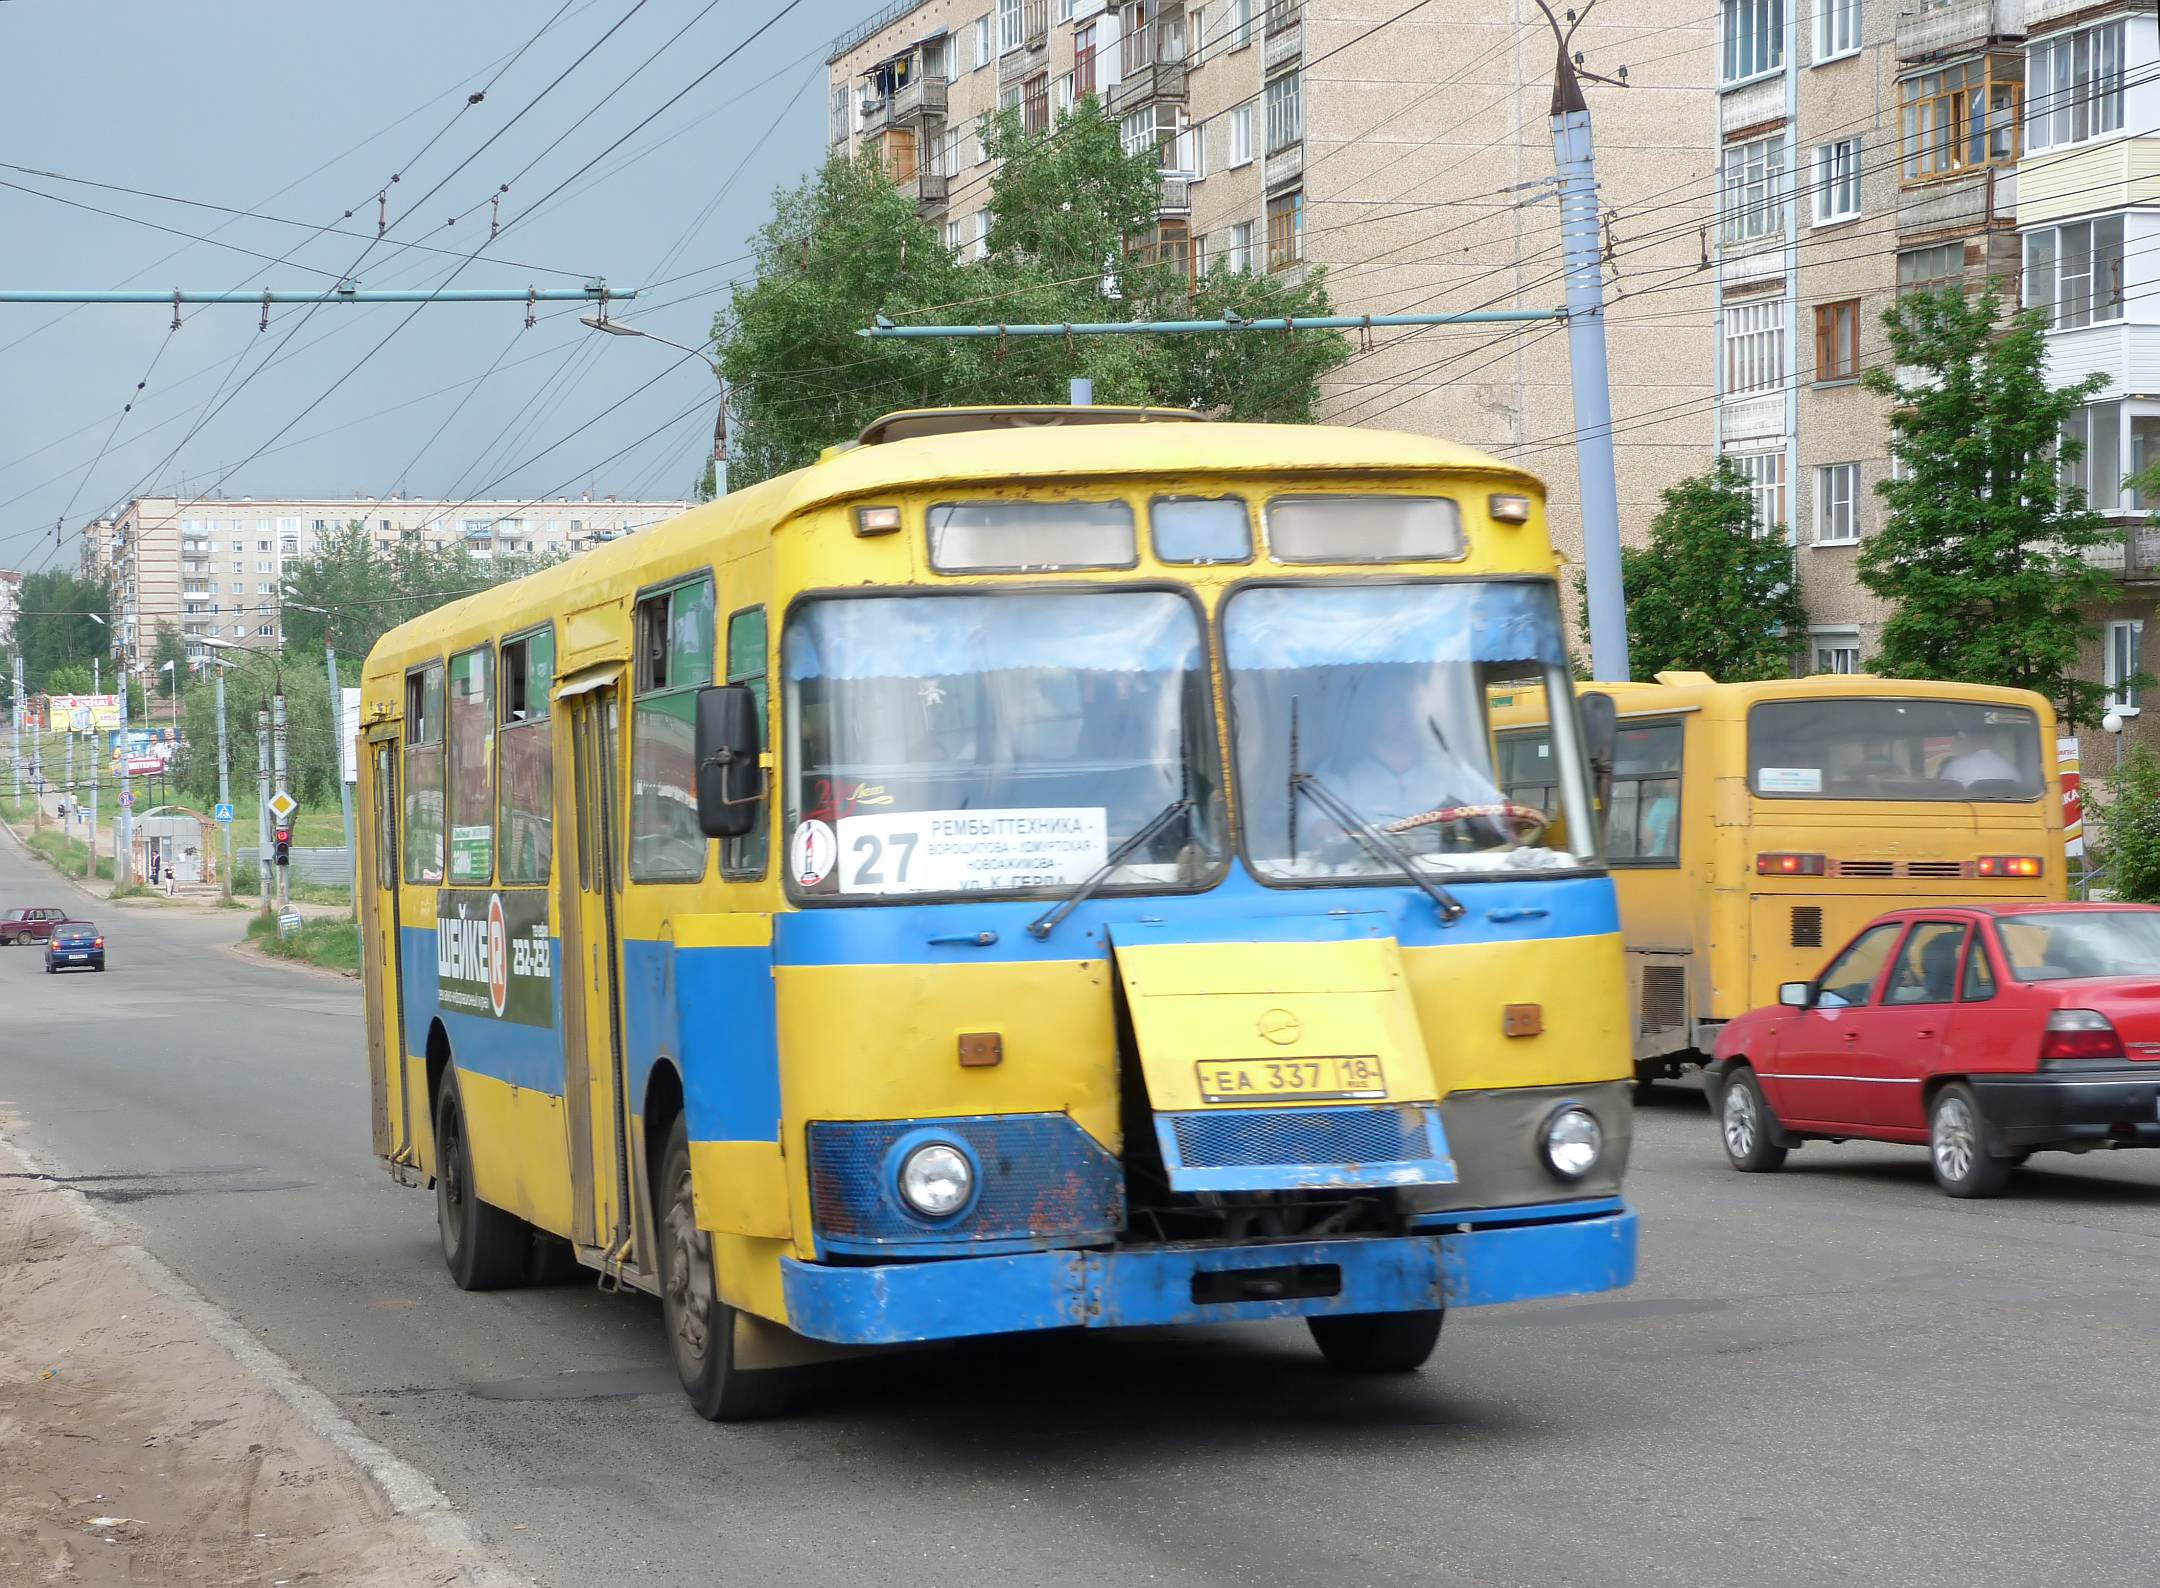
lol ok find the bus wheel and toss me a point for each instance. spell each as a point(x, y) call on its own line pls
point(1744, 1125)
point(484, 1247)
point(700, 1326)
point(1377, 1342)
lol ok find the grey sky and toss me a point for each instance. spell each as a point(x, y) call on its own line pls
point(229, 101)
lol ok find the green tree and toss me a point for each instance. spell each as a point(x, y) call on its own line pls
point(73, 678)
point(63, 618)
point(2127, 824)
point(1711, 593)
point(1983, 554)
point(359, 594)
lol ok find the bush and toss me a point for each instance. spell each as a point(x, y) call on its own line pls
point(332, 942)
point(2128, 827)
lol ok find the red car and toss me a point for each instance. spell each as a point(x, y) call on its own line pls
point(1985, 1033)
point(28, 925)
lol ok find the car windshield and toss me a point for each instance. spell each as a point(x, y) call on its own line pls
point(952, 744)
point(1377, 694)
point(2071, 945)
point(1863, 749)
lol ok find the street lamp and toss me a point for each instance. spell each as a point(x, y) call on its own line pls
point(719, 434)
point(2112, 724)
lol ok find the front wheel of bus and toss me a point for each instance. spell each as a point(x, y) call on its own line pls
point(700, 1326)
point(1377, 1342)
point(484, 1247)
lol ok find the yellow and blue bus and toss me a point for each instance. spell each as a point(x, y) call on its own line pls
point(1032, 869)
point(1754, 827)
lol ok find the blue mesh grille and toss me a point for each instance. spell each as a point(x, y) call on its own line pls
point(1042, 1178)
point(1301, 1135)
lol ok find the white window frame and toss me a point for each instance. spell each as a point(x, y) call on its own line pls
point(1765, 476)
point(1061, 96)
point(1241, 138)
point(2074, 86)
point(1285, 111)
point(1837, 504)
point(983, 53)
point(1752, 190)
point(1837, 181)
point(1010, 27)
point(1837, 30)
point(2122, 645)
point(1751, 38)
point(2092, 295)
point(1238, 21)
point(2098, 473)
point(982, 235)
point(1830, 644)
point(1243, 248)
point(1755, 347)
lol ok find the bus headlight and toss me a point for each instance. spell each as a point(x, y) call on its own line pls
point(1574, 1141)
point(936, 1180)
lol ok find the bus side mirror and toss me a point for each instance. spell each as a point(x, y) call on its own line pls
point(729, 783)
point(1600, 731)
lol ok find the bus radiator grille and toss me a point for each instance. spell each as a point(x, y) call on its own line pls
point(1041, 1178)
point(1311, 1148)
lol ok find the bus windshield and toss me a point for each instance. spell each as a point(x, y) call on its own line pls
point(1379, 691)
point(1861, 749)
point(953, 744)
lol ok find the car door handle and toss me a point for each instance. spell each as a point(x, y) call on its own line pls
point(1925, 1031)
point(1852, 1036)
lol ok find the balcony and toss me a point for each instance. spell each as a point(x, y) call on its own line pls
point(1283, 167)
point(927, 189)
point(1285, 43)
point(1035, 23)
point(1956, 27)
point(2134, 557)
point(195, 592)
point(1176, 195)
point(1143, 85)
point(910, 103)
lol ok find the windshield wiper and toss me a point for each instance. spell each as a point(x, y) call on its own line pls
point(1043, 924)
point(1375, 842)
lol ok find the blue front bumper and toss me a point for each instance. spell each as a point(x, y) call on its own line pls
point(889, 1303)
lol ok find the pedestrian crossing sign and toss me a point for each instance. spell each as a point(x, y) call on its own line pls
point(223, 811)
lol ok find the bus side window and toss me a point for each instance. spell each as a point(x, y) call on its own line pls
point(1645, 822)
point(527, 761)
point(744, 857)
point(472, 765)
point(424, 774)
point(674, 661)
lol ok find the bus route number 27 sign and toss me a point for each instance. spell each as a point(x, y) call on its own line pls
point(492, 955)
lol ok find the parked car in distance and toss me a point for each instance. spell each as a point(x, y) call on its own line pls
point(75, 945)
point(28, 924)
point(1985, 1033)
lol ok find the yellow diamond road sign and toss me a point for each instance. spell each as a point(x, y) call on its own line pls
point(282, 806)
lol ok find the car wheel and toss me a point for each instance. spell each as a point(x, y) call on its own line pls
point(1377, 1342)
point(484, 1247)
point(1745, 1123)
point(700, 1326)
point(1957, 1146)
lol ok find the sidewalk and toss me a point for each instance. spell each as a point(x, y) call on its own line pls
point(151, 1439)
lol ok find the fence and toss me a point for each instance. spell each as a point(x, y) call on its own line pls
point(330, 867)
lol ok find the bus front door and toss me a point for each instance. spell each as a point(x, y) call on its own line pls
point(590, 895)
point(376, 879)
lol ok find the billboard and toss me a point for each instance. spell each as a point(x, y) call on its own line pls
point(2066, 765)
point(83, 713)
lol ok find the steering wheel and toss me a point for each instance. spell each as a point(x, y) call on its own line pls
point(1525, 822)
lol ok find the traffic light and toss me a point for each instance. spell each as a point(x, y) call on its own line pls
point(281, 853)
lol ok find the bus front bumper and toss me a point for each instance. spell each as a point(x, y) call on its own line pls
point(943, 1299)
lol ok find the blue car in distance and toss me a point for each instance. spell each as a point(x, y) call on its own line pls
point(74, 945)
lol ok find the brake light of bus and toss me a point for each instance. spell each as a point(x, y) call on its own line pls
point(1789, 866)
point(2007, 866)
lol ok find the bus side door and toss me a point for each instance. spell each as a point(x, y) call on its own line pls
point(376, 879)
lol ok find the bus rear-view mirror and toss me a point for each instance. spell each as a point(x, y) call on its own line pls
point(729, 784)
point(1600, 730)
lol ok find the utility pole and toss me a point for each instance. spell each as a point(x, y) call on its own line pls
point(344, 789)
point(97, 687)
point(124, 823)
point(224, 794)
point(277, 773)
point(262, 803)
point(16, 718)
point(1596, 482)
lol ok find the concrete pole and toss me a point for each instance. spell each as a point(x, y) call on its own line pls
point(344, 789)
point(277, 776)
point(124, 823)
point(224, 794)
point(1596, 482)
point(16, 717)
point(262, 804)
point(97, 687)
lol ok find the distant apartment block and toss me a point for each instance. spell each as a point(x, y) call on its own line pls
point(213, 569)
point(1410, 157)
point(10, 604)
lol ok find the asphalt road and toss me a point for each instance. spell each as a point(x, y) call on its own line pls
point(1829, 1375)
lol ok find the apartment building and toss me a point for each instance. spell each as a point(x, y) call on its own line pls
point(1412, 157)
point(213, 568)
point(10, 603)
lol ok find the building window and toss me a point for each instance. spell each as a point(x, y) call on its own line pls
point(1241, 246)
point(2094, 432)
point(1064, 10)
point(1065, 94)
point(1930, 269)
point(2077, 86)
point(1241, 136)
point(2125, 639)
point(2074, 273)
point(952, 238)
point(1837, 29)
point(1285, 113)
point(1837, 341)
point(1837, 181)
point(1837, 505)
point(1764, 473)
point(1084, 61)
point(1285, 230)
point(1754, 190)
point(1961, 118)
point(1836, 650)
point(1754, 38)
point(982, 41)
point(1035, 102)
point(1754, 347)
point(1008, 26)
point(982, 234)
point(1237, 20)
